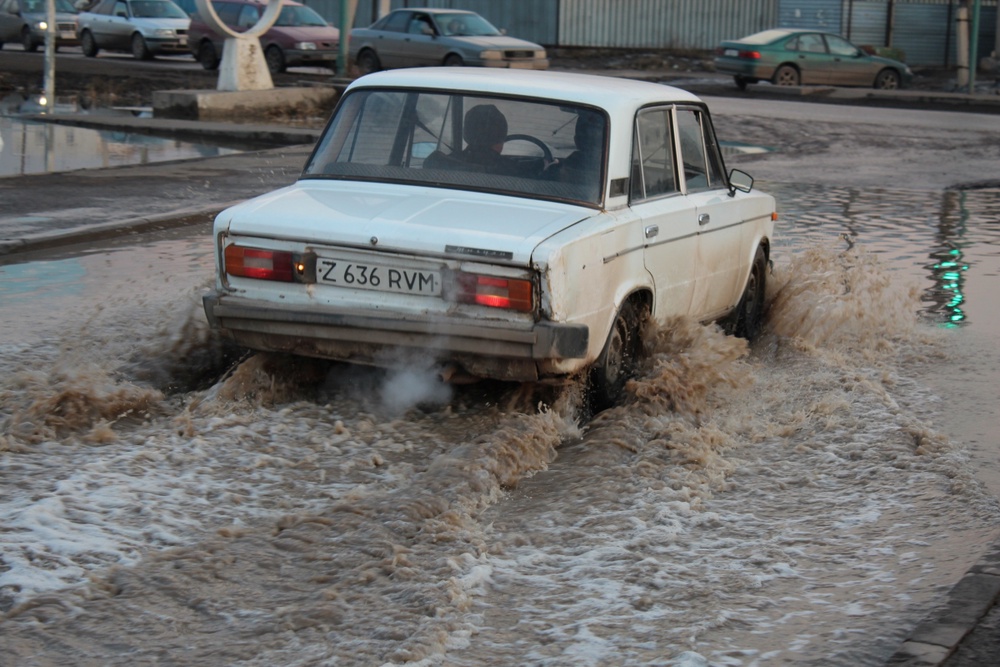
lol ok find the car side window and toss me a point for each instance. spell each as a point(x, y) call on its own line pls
point(841, 47)
point(228, 11)
point(700, 154)
point(652, 156)
point(397, 22)
point(248, 17)
point(812, 43)
point(420, 25)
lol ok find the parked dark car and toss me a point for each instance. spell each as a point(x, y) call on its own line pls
point(427, 37)
point(145, 28)
point(299, 37)
point(25, 21)
point(807, 57)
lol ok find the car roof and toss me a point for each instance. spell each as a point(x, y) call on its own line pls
point(613, 94)
point(773, 35)
point(433, 10)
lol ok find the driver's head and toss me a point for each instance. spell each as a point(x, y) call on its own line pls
point(485, 126)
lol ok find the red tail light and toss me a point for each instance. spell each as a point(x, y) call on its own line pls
point(752, 55)
point(508, 293)
point(259, 264)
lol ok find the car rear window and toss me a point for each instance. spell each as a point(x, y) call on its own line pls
point(549, 150)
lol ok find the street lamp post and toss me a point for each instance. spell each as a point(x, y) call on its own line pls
point(49, 83)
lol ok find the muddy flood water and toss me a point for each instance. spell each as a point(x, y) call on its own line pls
point(804, 501)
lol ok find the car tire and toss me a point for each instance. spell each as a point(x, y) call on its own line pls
point(140, 51)
point(88, 45)
point(786, 75)
point(207, 55)
point(368, 62)
point(619, 359)
point(887, 79)
point(28, 42)
point(275, 59)
point(741, 83)
point(748, 318)
point(454, 60)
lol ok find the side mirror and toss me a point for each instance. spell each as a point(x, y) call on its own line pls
point(739, 180)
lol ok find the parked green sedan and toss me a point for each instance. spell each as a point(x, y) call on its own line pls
point(807, 57)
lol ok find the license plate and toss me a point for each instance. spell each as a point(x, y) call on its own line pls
point(380, 277)
point(67, 34)
point(182, 41)
point(731, 52)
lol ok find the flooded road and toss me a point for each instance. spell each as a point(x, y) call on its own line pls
point(803, 501)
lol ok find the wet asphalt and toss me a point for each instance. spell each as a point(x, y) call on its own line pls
point(43, 211)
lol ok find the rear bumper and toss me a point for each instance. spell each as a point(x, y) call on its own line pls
point(495, 349)
point(749, 69)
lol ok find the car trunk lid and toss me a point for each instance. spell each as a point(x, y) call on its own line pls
point(405, 219)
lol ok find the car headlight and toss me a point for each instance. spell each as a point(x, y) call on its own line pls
point(41, 25)
point(491, 55)
point(163, 32)
point(540, 54)
point(305, 46)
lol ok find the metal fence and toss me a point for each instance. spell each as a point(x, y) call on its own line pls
point(923, 29)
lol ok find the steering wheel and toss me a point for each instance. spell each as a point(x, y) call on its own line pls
point(546, 151)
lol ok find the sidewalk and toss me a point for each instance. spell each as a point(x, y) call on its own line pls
point(50, 210)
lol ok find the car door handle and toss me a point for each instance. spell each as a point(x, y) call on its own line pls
point(652, 230)
point(704, 219)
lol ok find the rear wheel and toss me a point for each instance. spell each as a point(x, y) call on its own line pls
point(368, 62)
point(786, 75)
point(207, 56)
point(140, 51)
point(275, 59)
point(619, 359)
point(88, 45)
point(27, 41)
point(741, 83)
point(887, 79)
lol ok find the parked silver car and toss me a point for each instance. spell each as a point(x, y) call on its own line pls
point(144, 27)
point(25, 21)
point(427, 37)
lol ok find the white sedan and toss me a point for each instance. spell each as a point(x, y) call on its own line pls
point(515, 225)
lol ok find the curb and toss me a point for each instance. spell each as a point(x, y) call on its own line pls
point(111, 229)
point(939, 635)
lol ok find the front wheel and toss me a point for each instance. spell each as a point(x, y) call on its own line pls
point(88, 45)
point(741, 83)
point(140, 51)
point(786, 75)
point(454, 60)
point(619, 359)
point(28, 42)
point(887, 79)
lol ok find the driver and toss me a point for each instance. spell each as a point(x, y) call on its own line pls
point(485, 132)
